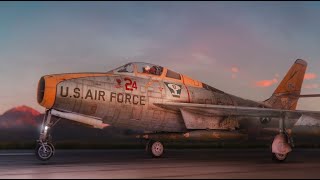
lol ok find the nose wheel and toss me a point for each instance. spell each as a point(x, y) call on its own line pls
point(44, 151)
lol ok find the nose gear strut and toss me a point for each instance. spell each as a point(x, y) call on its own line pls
point(45, 149)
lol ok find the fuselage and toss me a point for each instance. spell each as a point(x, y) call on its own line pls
point(160, 104)
point(125, 98)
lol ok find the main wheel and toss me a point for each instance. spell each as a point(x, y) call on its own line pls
point(282, 144)
point(155, 148)
point(279, 157)
point(44, 152)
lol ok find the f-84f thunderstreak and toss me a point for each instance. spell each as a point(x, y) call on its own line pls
point(164, 104)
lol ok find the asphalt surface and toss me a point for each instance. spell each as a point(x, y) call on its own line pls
point(182, 163)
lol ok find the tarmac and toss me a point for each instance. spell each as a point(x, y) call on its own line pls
point(176, 163)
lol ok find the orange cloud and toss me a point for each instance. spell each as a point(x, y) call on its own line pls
point(266, 83)
point(311, 86)
point(235, 69)
point(310, 76)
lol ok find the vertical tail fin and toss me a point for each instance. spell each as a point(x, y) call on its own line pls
point(286, 95)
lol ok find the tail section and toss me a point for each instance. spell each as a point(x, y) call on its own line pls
point(287, 94)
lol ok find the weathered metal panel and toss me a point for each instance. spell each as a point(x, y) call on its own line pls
point(200, 135)
point(198, 121)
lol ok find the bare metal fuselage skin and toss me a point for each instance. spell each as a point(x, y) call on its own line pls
point(127, 101)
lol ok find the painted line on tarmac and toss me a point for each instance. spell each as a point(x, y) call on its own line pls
point(16, 154)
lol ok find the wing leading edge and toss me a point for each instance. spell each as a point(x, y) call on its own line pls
point(223, 110)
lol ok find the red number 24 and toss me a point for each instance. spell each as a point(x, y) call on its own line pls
point(129, 83)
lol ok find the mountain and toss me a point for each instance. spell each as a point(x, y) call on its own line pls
point(23, 123)
point(20, 117)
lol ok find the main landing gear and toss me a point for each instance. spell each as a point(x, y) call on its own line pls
point(155, 148)
point(282, 143)
point(44, 149)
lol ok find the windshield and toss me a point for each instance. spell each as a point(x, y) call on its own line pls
point(128, 68)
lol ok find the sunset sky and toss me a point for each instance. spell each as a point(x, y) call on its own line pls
point(243, 48)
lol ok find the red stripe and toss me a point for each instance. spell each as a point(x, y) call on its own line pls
point(187, 89)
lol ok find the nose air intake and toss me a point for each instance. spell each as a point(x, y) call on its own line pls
point(46, 91)
point(40, 92)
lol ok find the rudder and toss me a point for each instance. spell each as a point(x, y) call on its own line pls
point(287, 93)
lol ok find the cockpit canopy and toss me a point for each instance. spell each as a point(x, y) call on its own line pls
point(140, 67)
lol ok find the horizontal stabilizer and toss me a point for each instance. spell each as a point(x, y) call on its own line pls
point(309, 95)
point(306, 120)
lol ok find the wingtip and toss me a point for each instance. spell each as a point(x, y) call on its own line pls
point(301, 61)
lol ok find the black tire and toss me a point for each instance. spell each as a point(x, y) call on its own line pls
point(155, 148)
point(279, 157)
point(43, 155)
point(148, 146)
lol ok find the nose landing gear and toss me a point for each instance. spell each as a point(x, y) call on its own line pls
point(45, 149)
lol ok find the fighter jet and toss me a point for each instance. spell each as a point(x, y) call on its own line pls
point(164, 104)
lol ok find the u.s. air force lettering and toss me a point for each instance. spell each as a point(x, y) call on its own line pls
point(100, 95)
point(127, 98)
